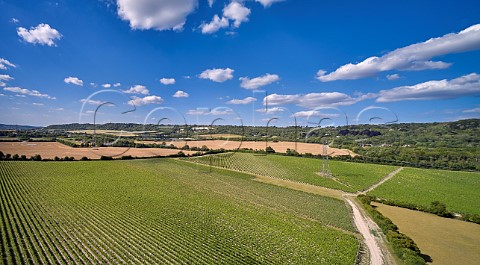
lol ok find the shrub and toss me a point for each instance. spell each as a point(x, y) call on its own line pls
point(36, 158)
point(129, 157)
point(84, 158)
point(106, 158)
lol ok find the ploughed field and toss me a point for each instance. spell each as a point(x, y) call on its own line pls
point(163, 211)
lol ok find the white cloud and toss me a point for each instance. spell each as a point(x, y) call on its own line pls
point(475, 110)
point(4, 78)
point(210, 3)
point(92, 102)
point(42, 34)
point(4, 63)
point(167, 81)
point(216, 24)
point(137, 89)
point(23, 92)
point(216, 111)
point(466, 85)
point(314, 113)
point(107, 85)
point(93, 84)
point(37, 104)
point(156, 14)
point(393, 77)
point(244, 101)
point(73, 80)
point(218, 75)
point(267, 3)
point(414, 57)
point(258, 81)
point(14, 20)
point(146, 100)
point(236, 12)
point(117, 85)
point(181, 94)
point(198, 112)
point(59, 109)
point(271, 110)
point(314, 100)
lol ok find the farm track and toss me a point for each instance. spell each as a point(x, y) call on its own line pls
point(387, 177)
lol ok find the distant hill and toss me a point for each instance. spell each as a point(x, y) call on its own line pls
point(18, 127)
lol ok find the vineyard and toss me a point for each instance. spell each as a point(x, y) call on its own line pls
point(163, 211)
point(348, 176)
point(458, 190)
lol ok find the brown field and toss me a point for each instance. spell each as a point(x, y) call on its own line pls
point(446, 241)
point(281, 147)
point(50, 150)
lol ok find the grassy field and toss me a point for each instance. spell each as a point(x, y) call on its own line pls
point(349, 177)
point(458, 190)
point(163, 211)
point(446, 241)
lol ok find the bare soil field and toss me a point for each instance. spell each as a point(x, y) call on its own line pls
point(446, 241)
point(51, 149)
point(302, 148)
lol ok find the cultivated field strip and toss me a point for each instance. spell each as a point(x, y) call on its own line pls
point(131, 212)
point(350, 177)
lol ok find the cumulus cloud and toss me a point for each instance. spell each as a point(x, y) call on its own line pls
point(136, 101)
point(244, 101)
point(137, 89)
point(167, 81)
point(466, 85)
point(22, 92)
point(314, 113)
point(216, 111)
point(271, 110)
point(314, 100)
point(107, 85)
point(156, 14)
point(117, 85)
point(267, 3)
point(4, 64)
point(475, 110)
point(42, 34)
point(93, 84)
point(393, 77)
point(258, 81)
point(73, 80)
point(210, 3)
point(92, 102)
point(237, 12)
point(217, 74)
point(4, 78)
point(181, 94)
point(215, 25)
point(410, 58)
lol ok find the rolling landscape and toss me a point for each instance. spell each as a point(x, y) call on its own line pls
point(240, 132)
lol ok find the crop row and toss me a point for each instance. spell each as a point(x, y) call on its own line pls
point(347, 176)
point(141, 212)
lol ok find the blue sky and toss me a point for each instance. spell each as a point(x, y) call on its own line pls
point(189, 61)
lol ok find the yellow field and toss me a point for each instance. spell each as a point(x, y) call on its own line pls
point(51, 149)
point(446, 241)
